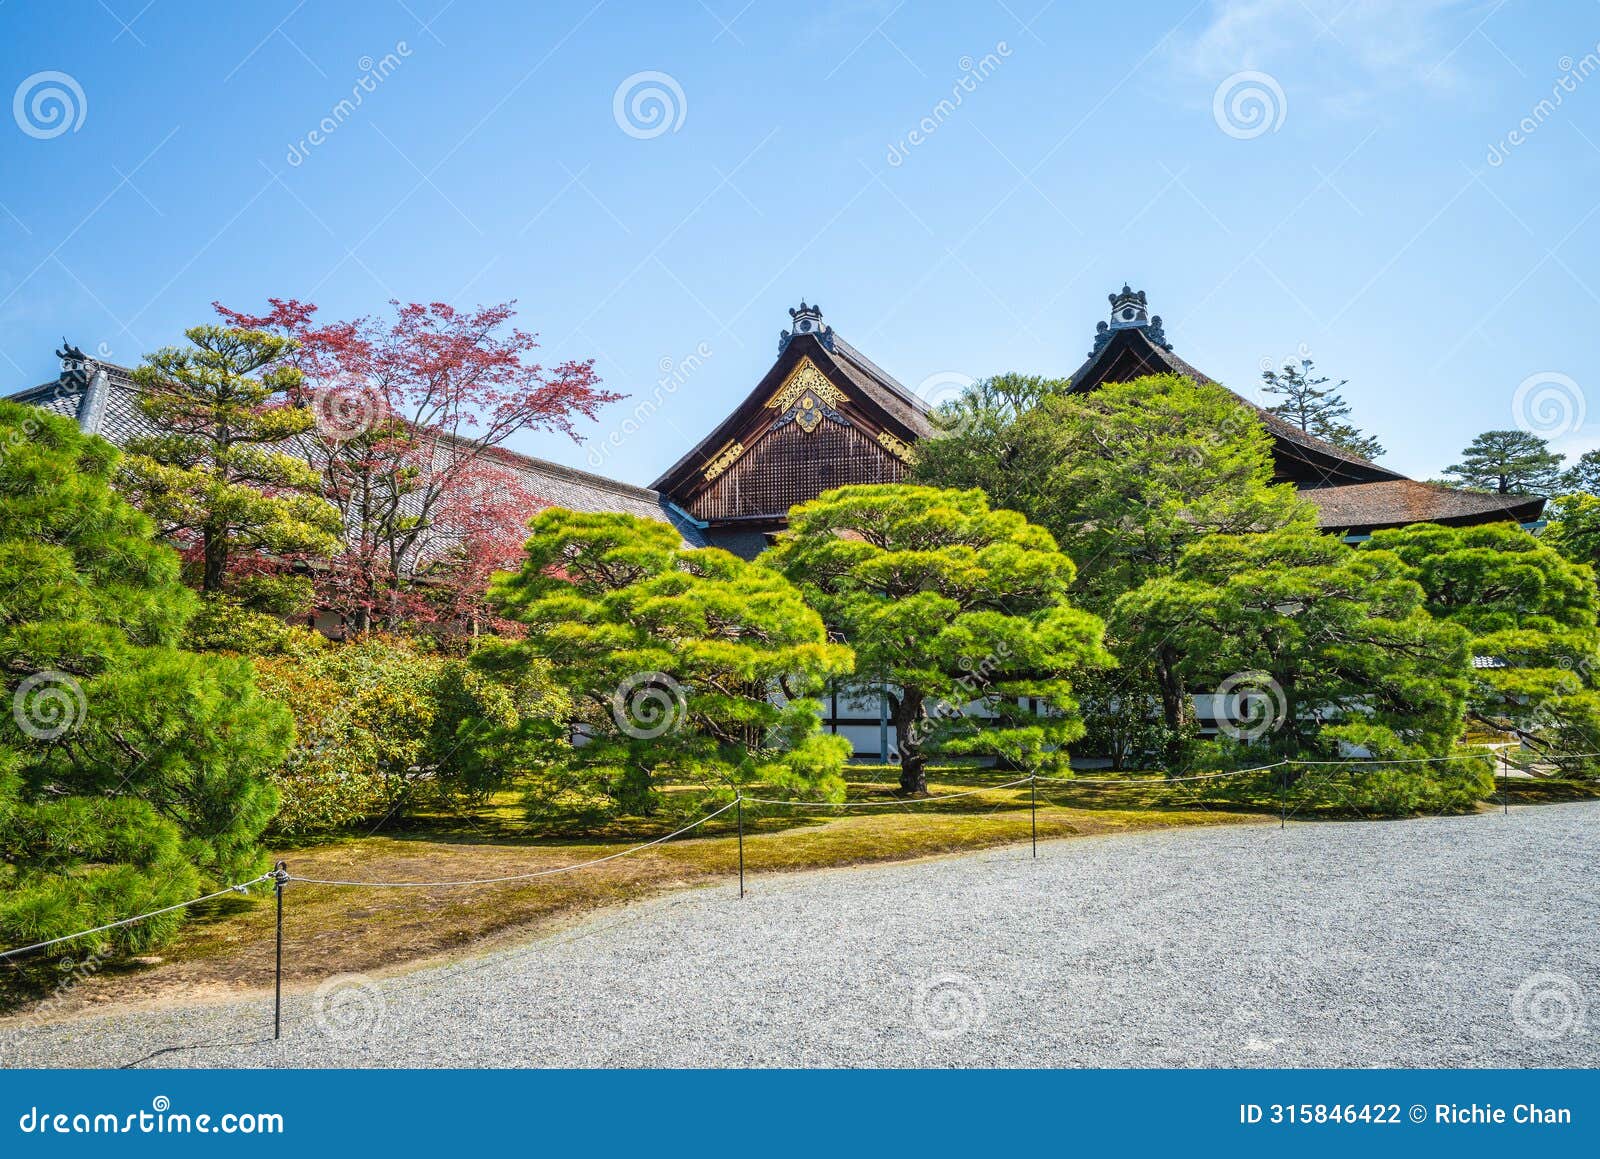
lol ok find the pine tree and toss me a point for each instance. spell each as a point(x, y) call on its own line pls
point(1508, 463)
point(1339, 645)
point(217, 477)
point(682, 665)
point(1532, 610)
point(132, 773)
point(946, 603)
point(1584, 475)
point(1316, 408)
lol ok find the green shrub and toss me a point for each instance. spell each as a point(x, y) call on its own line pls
point(384, 727)
point(132, 772)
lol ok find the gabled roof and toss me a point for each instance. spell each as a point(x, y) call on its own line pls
point(873, 395)
point(104, 400)
point(1131, 353)
point(1359, 507)
point(1351, 494)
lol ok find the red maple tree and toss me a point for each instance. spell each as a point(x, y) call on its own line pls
point(412, 412)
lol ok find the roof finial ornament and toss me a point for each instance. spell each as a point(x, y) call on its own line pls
point(1129, 311)
point(74, 365)
point(807, 320)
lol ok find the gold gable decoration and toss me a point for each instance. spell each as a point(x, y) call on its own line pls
point(897, 447)
point(724, 459)
point(805, 377)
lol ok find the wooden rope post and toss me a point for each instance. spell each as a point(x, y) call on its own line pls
point(1033, 808)
point(739, 813)
point(280, 877)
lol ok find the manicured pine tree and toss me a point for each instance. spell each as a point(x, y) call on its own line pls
point(132, 773)
point(1341, 648)
point(1583, 475)
point(217, 476)
point(948, 603)
point(685, 666)
point(1507, 463)
point(1533, 615)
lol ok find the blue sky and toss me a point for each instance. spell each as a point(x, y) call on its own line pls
point(1363, 220)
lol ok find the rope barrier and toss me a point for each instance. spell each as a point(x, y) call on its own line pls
point(882, 804)
point(1406, 761)
point(239, 888)
point(282, 877)
point(520, 876)
point(1132, 782)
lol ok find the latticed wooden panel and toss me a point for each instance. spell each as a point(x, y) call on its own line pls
point(787, 466)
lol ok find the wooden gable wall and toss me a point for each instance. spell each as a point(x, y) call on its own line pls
point(812, 432)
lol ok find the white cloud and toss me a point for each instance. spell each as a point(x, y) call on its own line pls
point(1389, 45)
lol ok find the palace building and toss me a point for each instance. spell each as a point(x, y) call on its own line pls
point(825, 415)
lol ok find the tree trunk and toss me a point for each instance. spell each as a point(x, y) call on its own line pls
point(215, 555)
point(1170, 686)
point(906, 714)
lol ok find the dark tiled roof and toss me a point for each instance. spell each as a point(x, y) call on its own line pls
point(1130, 353)
point(1395, 502)
point(109, 407)
point(905, 405)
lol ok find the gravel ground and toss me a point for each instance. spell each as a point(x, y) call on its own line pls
point(1447, 942)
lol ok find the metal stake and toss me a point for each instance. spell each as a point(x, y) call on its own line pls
point(1505, 774)
point(739, 813)
point(1033, 807)
point(280, 876)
